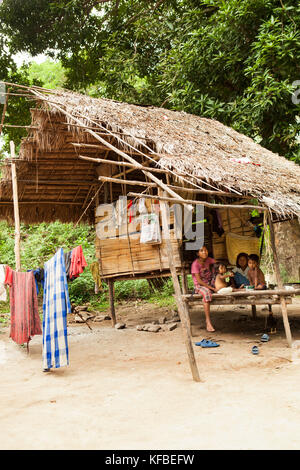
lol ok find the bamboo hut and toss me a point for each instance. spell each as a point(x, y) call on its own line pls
point(81, 155)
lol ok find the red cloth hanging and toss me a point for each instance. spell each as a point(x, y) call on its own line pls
point(24, 315)
point(78, 262)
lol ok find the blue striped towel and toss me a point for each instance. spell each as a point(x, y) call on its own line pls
point(56, 305)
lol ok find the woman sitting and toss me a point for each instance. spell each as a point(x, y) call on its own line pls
point(203, 276)
point(241, 271)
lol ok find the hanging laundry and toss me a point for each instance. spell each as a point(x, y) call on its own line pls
point(24, 315)
point(68, 257)
point(56, 305)
point(78, 262)
point(38, 276)
point(3, 295)
point(94, 267)
point(130, 206)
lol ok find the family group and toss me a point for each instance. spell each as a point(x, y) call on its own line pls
point(209, 277)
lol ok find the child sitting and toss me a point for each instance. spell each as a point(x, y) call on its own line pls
point(255, 275)
point(221, 286)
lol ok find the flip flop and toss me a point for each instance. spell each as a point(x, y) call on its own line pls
point(206, 343)
point(255, 350)
point(265, 338)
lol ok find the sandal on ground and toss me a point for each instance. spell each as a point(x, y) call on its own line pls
point(265, 338)
point(206, 343)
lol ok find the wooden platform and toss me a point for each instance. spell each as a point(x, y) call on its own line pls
point(246, 296)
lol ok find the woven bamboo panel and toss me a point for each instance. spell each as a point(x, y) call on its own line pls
point(234, 221)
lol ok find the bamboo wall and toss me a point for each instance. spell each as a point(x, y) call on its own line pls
point(121, 255)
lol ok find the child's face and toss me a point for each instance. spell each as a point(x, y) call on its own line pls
point(203, 253)
point(243, 262)
point(252, 264)
point(222, 269)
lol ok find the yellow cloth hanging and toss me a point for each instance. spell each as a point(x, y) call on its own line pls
point(236, 244)
point(94, 268)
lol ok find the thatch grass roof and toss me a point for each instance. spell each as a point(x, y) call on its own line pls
point(203, 150)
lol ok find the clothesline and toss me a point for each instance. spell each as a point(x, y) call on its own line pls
point(25, 320)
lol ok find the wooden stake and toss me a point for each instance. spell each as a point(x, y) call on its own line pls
point(111, 301)
point(182, 307)
point(16, 208)
point(280, 283)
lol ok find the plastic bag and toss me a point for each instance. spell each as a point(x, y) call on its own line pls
point(150, 229)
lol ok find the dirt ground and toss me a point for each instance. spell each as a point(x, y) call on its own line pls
point(129, 389)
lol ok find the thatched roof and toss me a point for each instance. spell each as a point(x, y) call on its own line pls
point(199, 150)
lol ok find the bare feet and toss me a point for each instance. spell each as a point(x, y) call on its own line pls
point(210, 328)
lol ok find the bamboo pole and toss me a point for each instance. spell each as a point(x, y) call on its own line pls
point(280, 283)
point(111, 301)
point(124, 181)
point(4, 111)
point(182, 307)
point(120, 163)
point(16, 208)
point(247, 293)
point(203, 203)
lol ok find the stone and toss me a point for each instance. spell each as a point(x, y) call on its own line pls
point(140, 327)
point(99, 318)
point(162, 320)
point(176, 318)
point(81, 308)
point(171, 326)
point(120, 326)
point(78, 319)
point(154, 328)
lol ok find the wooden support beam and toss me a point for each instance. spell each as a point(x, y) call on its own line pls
point(246, 293)
point(49, 202)
point(120, 163)
point(182, 307)
point(123, 181)
point(208, 192)
point(199, 303)
point(203, 203)
point(279, 282)
point(22, 127)
point(16, 209)
point(111, 301)
point(4, 112)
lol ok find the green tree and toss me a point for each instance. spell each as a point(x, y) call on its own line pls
point(231, 60)
point(50, 74)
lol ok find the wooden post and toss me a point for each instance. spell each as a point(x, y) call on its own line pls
point(182, 307)
point(280, 283)
point(253, 308)
point(16, 208)
point(111, 301)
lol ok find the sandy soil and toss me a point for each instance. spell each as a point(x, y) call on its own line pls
point(129, 389)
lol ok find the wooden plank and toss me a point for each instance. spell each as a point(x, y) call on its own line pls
point(199, 302)
point(247, 293)
point(111, 301)
point(16, 209)
point(280, 283)
point(182, 308)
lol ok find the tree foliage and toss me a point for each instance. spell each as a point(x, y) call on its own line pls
point(228, 60)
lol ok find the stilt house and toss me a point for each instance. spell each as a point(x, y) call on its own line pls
point(129, 168)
